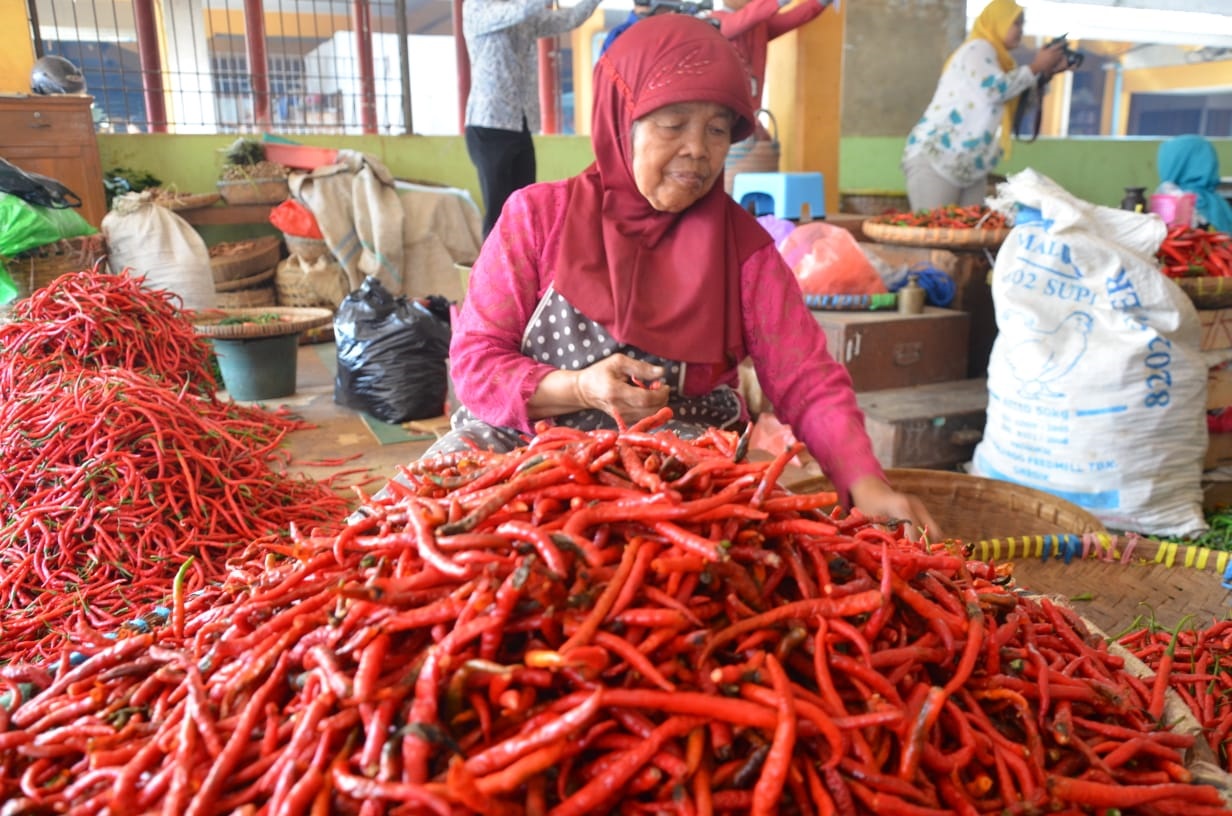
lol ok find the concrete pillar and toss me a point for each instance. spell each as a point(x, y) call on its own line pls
point(17, 57)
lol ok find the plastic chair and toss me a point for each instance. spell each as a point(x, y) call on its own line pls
point(783, 194)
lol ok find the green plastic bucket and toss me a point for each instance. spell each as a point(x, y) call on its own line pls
point(260, 368)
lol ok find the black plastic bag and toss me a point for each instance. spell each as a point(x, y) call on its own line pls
point(35, 189)
point(392, 354)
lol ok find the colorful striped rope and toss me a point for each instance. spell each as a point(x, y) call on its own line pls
point(1106, 547)
point(852, 303)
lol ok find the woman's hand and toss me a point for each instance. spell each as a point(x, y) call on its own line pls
point(1049, 60)
point(608, 385)
point(874, 497)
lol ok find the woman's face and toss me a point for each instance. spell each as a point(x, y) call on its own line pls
point(678, 152)
point(1013, 36)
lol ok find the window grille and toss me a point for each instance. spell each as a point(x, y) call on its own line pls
point(312, 71)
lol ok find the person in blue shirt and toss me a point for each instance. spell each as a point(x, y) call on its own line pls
point(640, 10)
point(1190, 162)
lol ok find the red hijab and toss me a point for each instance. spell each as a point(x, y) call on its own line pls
point(667, 283)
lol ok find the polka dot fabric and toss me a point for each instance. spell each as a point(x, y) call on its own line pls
point(561, 336)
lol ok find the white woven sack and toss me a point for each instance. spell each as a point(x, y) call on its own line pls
point(153, 241)
point(1096, 386)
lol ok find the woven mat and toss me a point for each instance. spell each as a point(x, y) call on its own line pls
point(1053, 547)
point(1113, 580)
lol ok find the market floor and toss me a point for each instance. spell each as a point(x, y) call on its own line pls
point(339, 435)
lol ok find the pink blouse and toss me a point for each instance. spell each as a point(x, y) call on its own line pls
point(809, 390)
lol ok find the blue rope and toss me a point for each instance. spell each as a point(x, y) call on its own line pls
point(937, 285)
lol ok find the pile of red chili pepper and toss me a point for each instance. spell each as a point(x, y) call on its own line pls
point(1197, 664)
point(975, 216)
point(603, 622)
point(118, 465)
point(1191, 252)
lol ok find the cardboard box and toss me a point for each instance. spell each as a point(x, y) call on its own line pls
point(926, 426)
point(1218, 388)
point(970, 270)
point(1216, 329)
point(891, 350)
point(1218, 451)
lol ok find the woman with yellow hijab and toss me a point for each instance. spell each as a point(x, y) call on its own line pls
point(967, 126)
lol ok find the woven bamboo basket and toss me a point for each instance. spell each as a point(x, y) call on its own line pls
point(1207, 293)
point(306, 249)
point(38, 267)
point(293, 290)
point(180, 202)
point(247, 298)
point(1053, 547)
point(235, 260)
point(254, 191)
point(246, 324)
point(944, 237)
point(311, 284)
point(253, 281)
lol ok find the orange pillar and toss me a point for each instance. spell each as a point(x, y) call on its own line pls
point(805, 95)
point(548, 86)
point(463, 60)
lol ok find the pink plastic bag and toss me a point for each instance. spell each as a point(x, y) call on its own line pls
point(827, 260)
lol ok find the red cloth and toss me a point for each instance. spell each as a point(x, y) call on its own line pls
point(753, 27)
point(668, 283)
point(809, 389)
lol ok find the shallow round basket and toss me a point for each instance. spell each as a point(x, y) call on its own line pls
point(259, 296)
point(235, 260)
point(973, 508)
point(1207, 293)
point(180, 202)
point(248, 282)
point(262, 322)
point(1053, 547)
point(35, 268)
point(306, 249)
point(947, 237)
point(254, 191)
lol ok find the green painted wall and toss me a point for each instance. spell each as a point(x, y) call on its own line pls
point(192, 163)
point(1096, 170)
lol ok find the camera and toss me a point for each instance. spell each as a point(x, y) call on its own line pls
point(1073, 58)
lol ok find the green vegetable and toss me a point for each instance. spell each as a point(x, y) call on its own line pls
point(232, 320)
point(120, 180)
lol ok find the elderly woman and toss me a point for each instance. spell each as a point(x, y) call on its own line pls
point(969, 122)
point(641, 270)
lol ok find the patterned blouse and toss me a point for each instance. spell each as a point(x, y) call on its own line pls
point(958, 132)
point(494, 379)
point(502, 41)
